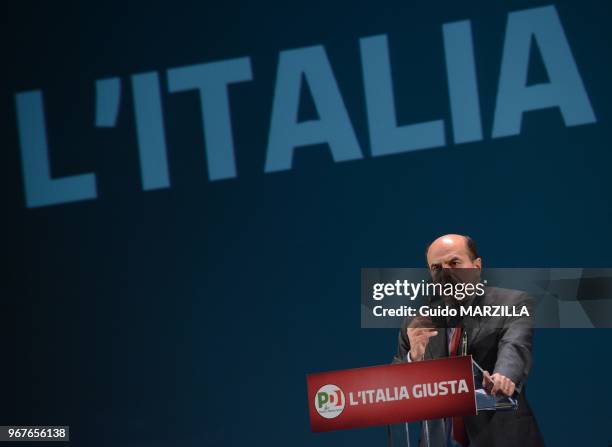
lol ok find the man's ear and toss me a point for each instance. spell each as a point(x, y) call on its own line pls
point(478, 263)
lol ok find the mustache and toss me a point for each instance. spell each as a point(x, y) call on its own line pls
point(456, 275)
point(446, 276)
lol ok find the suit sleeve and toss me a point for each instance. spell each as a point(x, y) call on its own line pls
point(514, 346)
point(403, 344)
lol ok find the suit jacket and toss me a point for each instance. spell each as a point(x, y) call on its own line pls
point(497, 344)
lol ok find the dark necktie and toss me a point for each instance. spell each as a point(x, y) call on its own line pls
point(459, 433)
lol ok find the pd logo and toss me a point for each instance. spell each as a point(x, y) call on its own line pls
point(329, 401)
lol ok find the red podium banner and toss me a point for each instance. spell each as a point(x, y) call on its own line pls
point(390, 394)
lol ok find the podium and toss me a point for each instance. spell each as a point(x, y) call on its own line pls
point(429, 391)
point(436, 432)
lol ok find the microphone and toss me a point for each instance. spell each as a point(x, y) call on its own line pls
point(464, 342)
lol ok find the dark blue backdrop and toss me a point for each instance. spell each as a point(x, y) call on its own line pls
point(190, 315)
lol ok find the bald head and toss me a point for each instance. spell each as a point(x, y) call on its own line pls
point(453, 251)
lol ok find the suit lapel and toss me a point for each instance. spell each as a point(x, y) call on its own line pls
point(437, 346)
point(473, 329)
point(474, 324)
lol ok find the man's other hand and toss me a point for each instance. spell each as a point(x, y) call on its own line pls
point(419, 338)
point(498, 384)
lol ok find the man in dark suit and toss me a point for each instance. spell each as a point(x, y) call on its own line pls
point(501, 345)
